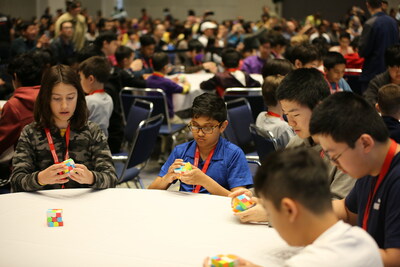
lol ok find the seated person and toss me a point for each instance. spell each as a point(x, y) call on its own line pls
point(355, 139)
point(276, 66)
point(272, 120)
point(389, 107)
point(254, 64)
point(193, 60)
point(126, 67)
point(299, 93)
point(294, 190)
point(219, 167)
point(145, 54)
point(344, 46)
point(170, 87)
point(26, 71)
point(304, 56)
point(334, 66)
point(61, 119)
point(94, 73)
point(232, 77)
point(391, 75)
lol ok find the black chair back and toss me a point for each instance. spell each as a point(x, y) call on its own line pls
point(264, 140)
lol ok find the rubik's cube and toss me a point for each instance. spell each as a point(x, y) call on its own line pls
point(69, 165)
point(224, 261)
point(184, 168)
point(242, 203)
point(54, 218)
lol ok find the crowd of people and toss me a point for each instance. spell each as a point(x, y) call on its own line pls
point(332, 92)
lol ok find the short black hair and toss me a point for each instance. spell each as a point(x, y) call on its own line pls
point(297, 173)
point(196, 45)
point(277, 66)
point(277, 39)
point(25, 24)
point(345, 116)
point(146, 40)
point(305, 53)
point(307, 87)
point(230, 58)
point(107, 36)
point(28, 67)
point(389, 99)
point(374, 3)
point(122, 52)
point(345, 35)
point(160, 60)
point(271, 83)
point(331, 59)
point(209, 105)
point(392, 56)
point(264, 40)
point(97, 66)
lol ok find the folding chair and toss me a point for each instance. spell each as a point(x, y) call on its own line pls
point(253, 166)
point(252, 94)
point(140, 152)
point(264, 140)
point(240, 118)
point(159, 100)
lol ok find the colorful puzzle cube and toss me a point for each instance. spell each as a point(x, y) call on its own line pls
point(242, 203)
point(184, 168)
point(54, 218)
point(69, 165)
point(224, 261)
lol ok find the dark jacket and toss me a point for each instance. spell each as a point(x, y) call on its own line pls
point(371, 94)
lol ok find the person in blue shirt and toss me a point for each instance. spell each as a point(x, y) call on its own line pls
point(219, 167)
point(334, 67)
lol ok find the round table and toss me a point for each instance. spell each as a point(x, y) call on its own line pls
point(129, 227)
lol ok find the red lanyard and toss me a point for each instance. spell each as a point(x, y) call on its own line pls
point(158, 74)
point(273, 114)
point(385, 168)
point(205, 167)
point(97, 91)
point(147, 66)
point(51, 144)
point(232, 69)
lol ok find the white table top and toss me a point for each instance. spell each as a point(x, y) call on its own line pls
point(129, 227)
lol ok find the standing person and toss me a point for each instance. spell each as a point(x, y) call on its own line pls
point(61, 131)
point(379, 32)
point(62, 47)
point(80, 26)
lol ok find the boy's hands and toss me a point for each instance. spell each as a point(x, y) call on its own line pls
point(194, 177)
point(254, 214)
point(171, 175)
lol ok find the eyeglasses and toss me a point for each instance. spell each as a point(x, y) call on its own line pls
point(335, 159)
point(205, 130)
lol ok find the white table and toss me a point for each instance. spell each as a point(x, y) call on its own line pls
point(182, 102)
point(128, 227)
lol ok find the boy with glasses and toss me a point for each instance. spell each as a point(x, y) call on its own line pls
point(357, 141)
point(219, 167)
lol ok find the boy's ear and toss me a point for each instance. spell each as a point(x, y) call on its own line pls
point(290, 209)
point(223, 126)
point(91, 78)
point(367, 142)
point(298, 64)
point(378, 108)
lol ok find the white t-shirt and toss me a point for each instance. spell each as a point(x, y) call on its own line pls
point(278, 127)
point(100, 107)
point(341, 245)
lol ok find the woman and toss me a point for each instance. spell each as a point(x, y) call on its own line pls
point(61, 131)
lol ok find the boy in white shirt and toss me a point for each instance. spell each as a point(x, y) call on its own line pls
point(294, 190)
point(94, 73)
